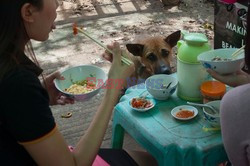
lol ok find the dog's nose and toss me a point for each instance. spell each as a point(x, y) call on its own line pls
point(163, 70)
point(166, 70)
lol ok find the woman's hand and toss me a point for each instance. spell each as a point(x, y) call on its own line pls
point(236, 79)
point(118, 71)
point(56, 97)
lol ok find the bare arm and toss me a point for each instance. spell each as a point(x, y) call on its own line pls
point(49, 152)
point(239, 78)
point(53, 150)
point(92, 140)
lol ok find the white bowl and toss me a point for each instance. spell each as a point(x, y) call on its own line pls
point(154, 86)
point(222, 66)
point(181, 108)
point(79, 73)
point(142, 109)
point(213, 119)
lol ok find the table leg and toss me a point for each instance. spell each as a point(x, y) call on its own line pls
point(117, 136)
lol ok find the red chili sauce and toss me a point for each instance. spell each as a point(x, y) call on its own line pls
point(141, 103)
point(184, 114)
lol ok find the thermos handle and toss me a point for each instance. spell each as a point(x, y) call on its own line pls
point(179, 43)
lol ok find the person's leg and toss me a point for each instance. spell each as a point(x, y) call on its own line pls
point(117, 157)
point(143, 158)
point(120, 157)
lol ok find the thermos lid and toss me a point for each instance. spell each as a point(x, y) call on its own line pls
point(191, 46)
point(213, 88)
point(195, 38)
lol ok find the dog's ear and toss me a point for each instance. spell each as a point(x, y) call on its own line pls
point(173, 38)
point(135, 49)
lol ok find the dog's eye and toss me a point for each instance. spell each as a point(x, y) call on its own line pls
point(152, 57)
point(164, 52)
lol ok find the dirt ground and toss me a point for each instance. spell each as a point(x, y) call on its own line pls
point(109, 20)
point(120, 20)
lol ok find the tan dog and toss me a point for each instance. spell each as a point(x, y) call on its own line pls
point(152, 56)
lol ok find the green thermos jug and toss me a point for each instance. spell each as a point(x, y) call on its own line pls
point(190, 72)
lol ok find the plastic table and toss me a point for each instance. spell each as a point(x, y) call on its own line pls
point(172, 142)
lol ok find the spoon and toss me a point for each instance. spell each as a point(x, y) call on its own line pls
point(143, 94)
point(166, 86)
point(212, 108)
point(206, 129)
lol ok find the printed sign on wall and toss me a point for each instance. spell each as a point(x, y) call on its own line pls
point(230, 24)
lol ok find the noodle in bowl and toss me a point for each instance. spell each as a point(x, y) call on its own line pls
point(78, 89)
point(221, 60)
point(81, 82)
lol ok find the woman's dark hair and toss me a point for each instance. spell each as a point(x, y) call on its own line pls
point(247, 47)
point(13, 36)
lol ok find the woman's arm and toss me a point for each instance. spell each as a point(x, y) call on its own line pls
point(53, 150)
point(239, 78)
point(93, 138)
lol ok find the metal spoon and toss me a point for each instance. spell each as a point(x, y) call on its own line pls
point(212, 108)
point(143, 94)
point(166, 86)
point(206, 129)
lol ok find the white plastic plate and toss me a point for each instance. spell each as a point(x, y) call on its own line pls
point(184, 107)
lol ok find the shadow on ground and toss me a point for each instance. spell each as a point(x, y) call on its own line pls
point(109, 20)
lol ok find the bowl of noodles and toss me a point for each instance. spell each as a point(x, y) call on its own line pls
point(81, 82)
point(221, 60)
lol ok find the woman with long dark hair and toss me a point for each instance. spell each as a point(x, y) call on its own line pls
point(28, 132)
